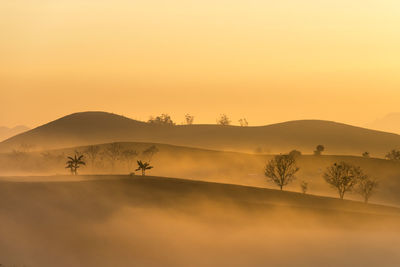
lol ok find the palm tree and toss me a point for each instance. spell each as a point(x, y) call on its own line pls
point(143, 166)
point(74, 163)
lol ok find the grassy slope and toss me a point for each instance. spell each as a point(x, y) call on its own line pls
point(170, 192)
point(230, 167)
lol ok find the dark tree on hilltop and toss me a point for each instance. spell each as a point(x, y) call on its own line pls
point(189, 119)
point(163, 119)
point(143, 166)
point(319, 149)
point(366, 187)
point(223, 120)
point(74, 163)
point(150, 152)
point(393, 155)
point(343, 177)
point(243, 122)
point(281, 170)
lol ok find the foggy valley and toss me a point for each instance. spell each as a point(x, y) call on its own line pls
point(199, 133)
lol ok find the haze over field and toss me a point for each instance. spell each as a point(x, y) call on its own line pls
point(199, 133)
point(167, 222)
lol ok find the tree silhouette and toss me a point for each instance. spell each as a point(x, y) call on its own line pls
point(393, 155)
point(163, 119)
point(243, 122)
point(343, 177)
point(143, 166)
point(150, 152)
point(129, 156)
point(304, 187)
point(366, 187)
point(92, 153)
point(74, 163)
point(281, 170)
point(113, 153)
point(319, 149)
point(223, 120)
point(189, 119)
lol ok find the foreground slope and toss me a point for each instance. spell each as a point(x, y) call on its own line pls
point(165, 191)
point(100, 127)
point(153, 221)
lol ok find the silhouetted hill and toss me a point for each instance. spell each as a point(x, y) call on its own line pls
point(101, 127)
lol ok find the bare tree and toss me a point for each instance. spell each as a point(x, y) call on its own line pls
point(163, 119)
point(319, 149)
point(304, 187)
point(223, 120)
point(129, 156)
point(393, 155)
point(113, 153)
point(243, 122)
point(143, 166)
point(150, 152)
point(92, 152)
point(189, 119)
point(366, 187)
point(343, 177)
point(74, 163)
point(281, 170)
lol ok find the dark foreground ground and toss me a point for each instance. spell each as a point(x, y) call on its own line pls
point(154, 221)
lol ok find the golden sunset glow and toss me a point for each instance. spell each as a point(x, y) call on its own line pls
point(207, 133)
point(268, 61)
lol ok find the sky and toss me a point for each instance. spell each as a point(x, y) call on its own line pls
point(267, 61)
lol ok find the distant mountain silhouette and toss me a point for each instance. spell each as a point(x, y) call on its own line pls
point(6, 132)
point(389, 123)
point(101, 127)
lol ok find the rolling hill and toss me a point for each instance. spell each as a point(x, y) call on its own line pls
point(208, 165)
point(100, 127)
point(154, 221)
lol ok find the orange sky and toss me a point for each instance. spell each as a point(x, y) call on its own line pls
point(268, 61)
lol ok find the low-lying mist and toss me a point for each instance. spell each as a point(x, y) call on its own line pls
point(199, 164)
point(143, 222)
